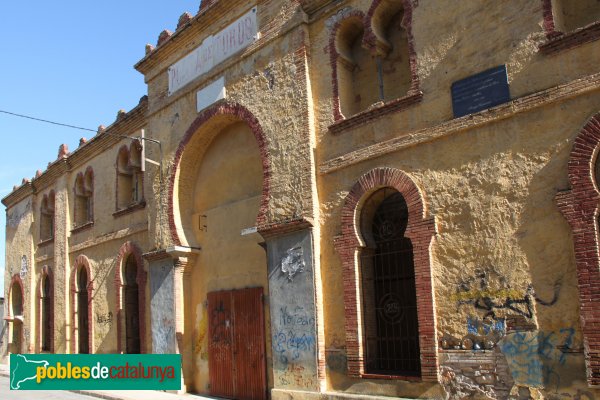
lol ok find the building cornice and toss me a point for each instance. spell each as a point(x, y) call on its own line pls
point(202, 24)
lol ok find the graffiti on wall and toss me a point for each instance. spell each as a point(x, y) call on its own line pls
point(534, 357)
point(489, 292)
point(292, 306)
point(335, 356)
point(296, 375)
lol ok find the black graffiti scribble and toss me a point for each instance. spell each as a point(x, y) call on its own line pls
point(482, 300)
point(220, 323)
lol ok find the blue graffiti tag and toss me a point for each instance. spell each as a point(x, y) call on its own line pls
point(293, 344)
point(534, 356)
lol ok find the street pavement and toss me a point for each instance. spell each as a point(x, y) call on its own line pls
point(6, 393)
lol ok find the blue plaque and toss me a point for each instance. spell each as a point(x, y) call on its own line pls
point(480, 91)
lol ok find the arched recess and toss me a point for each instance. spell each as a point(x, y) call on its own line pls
point(16, 296)
point(46, 310)
point(190, 153)
point(220, 186)
point(81, 266)
point(127, 250)
point(580, 206)
point(393, 49)
point(350, 245)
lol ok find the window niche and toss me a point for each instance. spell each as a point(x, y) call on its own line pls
point(83, 191)
point(47, 217)
point(356, 69)
point(374, 70)
point(391, 49)
point(130, 190)
point(570, 15)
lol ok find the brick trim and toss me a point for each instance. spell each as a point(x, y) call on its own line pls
point(239, 113)
point(130, 248)
point(16, 278)
point(84, 262)
point(46, 273)
point(45, 199)
point(580, 206)
point(406, 23)
point(559, 42)
point(370, 42)
point(420, 230)
point(89, 171)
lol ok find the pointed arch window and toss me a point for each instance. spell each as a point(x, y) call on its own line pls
point(82, 311)
point(84, 193)
point(46, 307)
point(130, 183)
point(47, 217)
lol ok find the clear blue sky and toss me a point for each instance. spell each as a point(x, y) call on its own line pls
point(72, 62)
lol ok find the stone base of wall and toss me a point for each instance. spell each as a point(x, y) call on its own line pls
point(468, 373)
point(279, 394)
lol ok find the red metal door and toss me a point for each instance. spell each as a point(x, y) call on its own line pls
point(220, 338)
point(237, 344)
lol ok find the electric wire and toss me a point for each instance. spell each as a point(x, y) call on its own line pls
point(47, 121)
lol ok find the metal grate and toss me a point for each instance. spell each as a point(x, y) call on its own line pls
point(389, 293)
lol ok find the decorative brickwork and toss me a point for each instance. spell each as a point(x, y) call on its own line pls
point(370, 42)
point(580, 206)
point(81, 262)
point(420, 230)
point(130, 248)
point(229, 111)
point(84, 187)
point(16, 279)
point(559, 41)
point(46, 274)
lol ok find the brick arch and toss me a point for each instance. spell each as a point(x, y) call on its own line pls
point(406, 23)
point(580, 206)
point(16, 278)
point(130, 248)
point(222, 112)
point(84, 262)
point(46, 273)
point(420, 230)
point(334, 55)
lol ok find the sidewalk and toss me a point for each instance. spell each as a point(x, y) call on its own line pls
point(126, 394)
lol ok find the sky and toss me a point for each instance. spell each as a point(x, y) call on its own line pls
point(70, 62)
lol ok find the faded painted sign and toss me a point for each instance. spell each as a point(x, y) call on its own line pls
point(213, 50)
point(15, 214)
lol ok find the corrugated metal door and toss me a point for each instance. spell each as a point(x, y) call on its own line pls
point(249, 344)
point(237, 344)
point(220, 349)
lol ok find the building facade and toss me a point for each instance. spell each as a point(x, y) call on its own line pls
point(303, 210)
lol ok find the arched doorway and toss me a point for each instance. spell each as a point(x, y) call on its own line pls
point(16, 309)
point(82, 311)
point(131, 303)
point(391, 327)
point(46, 313)
point(220, 190)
